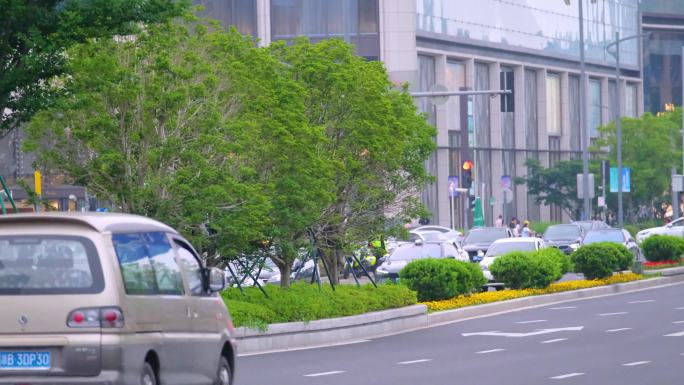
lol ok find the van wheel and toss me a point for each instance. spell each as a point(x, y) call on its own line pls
point(148, 377)
point(224, 375)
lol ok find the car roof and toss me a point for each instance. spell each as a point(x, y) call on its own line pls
point(426, 228)
point(516, 240)
point(100, 222)
point(487, 228)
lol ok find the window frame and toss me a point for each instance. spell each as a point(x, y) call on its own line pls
point(178, 243)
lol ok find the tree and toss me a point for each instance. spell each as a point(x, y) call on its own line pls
point(376, 142)
point(193, 126)
point(650, 148)
point(556, 185)
point(35, 34)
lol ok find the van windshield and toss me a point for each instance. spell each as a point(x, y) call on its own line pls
point(49, 265)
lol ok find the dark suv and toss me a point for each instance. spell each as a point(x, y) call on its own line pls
point(477, 240)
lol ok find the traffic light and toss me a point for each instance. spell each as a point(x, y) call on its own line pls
point(467, 174)
point(471, 202)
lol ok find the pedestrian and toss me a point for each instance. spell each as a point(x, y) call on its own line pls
point(499, 221)
point(513, 225)
point(525, 229)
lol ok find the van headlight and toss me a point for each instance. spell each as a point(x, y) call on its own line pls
point(574, 246)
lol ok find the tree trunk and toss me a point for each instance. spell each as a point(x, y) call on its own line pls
point(285, 272)
point(331, 257)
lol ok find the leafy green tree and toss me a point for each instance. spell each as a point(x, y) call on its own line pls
point(35, 34)
point(650, 147)
point(556, 185)
point(376, 142)
point(195, 127)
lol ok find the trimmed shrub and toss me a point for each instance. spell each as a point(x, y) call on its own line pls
point(437, 279)
point(625, 257)
point(520, 270)
point(596, 260)
point(563, 260)
point(633, 230)
point(661, 248)
point(304, 302)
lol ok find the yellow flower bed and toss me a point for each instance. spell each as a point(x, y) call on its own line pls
point(495, 296)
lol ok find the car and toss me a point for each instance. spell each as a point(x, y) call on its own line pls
point(391, 265)
point(675, 228)
point(477, 240)
point(447, 233)
point(505, 246)
point(96, 298)
point(566, 238)
point(591, 225)
point(620, 236)
point(263, 272)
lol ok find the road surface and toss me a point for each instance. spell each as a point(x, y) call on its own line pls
point(633, 338)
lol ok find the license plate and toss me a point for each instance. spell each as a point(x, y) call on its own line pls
point(25, 361)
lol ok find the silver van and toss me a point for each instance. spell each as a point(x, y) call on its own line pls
point(115, 299)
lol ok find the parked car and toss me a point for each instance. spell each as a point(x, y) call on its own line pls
point(95, 298)
point(566, 238)
point(621, 236)
point(447, 233)
point(675, 228)
point(477, 240)
point(300, 271)
point(591, 225)
point(264, 272)
point(402, 255)
point(505, 246)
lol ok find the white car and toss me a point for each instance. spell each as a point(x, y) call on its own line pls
point(505, 246)
point(675, 228)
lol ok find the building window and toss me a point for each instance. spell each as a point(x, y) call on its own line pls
point(631, 109)
point(531, 120)
point(355, 21)
point(455, 79)
point(553, 104)
point(238, 13)
point(594, 107)
point(574, 104)
point(554, 151)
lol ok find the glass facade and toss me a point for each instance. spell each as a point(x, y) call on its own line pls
point(575, 132)
point(594, 107)
point(238, 13)
point(355, 21)
point(663, 6)
point(426, 78)
point(549, 26)
point(631, 100)
point(662, 70)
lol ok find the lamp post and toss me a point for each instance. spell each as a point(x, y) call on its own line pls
point(618, 116)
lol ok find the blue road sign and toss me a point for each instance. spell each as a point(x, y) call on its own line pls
point(626, 179)
point(453, 185)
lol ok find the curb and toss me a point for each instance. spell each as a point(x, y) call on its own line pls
point(345, 330)
point(670, 271)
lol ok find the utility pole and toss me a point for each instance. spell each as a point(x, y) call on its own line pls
point(584, 127)
point(618, 126)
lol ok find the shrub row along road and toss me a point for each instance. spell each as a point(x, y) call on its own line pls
point(633, 338)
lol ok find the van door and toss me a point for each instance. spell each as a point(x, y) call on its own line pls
point(155, 300)
point(204, 307)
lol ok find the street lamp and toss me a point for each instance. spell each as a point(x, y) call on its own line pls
point(618, 115)
point(584, 127)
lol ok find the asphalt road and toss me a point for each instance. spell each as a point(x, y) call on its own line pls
point(633, 338)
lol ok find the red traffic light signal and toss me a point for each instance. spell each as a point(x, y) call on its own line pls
point(467, 165)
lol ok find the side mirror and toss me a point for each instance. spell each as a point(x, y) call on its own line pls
point(215, 280)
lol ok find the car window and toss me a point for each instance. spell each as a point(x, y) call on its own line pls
point(490, 235)
point(507, 247)
point(562, 232)
point(192, 269)
point(147, 263)
point(678, 223)
point(167, 273)
point(604, 236)
point(49, 264)
point(411, 252)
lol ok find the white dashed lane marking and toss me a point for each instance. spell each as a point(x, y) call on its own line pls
point(678, 322)
point(414, 361)
point(490, 351)
point(680, 334)
point(617, 330)
point(531, 322)
point(607, 314)
point(563, 307)
point(679, 308)
point(324, 373)
point(567, 376)
point(644, 301)
point(637, 363)
point(552, 341)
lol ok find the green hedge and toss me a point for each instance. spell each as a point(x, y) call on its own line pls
point(304, 302)
point(625, 257)
point(596, 260)
point(437, 279)
point(661, 248)
point(524, 270)
point(564, 261)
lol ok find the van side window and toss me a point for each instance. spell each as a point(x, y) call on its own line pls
point(192, 269)
point(166, 271)
point(147, 264)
